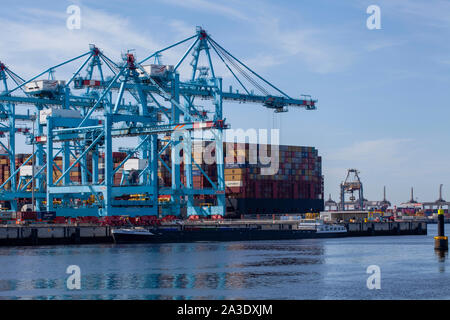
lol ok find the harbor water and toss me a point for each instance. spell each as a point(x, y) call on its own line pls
point(294, 269)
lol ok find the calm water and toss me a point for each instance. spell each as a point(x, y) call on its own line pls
point(299, 269)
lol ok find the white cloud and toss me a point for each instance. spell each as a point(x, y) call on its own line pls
point(263, 61)
point(383, 44)
point(374, 151)
point(312, 46)
point(431, 13)
point(396, 163)
point(211, 7)
point(183, 29)
point(380, 161)
point(29, 45)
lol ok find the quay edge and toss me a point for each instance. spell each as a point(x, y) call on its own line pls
point(34, 235)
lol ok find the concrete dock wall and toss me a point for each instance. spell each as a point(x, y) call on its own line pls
point(63, 234)
point(41, 235)
point(387, 228)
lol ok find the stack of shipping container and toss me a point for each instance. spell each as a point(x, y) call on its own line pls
point(4, 170)
point(75, 173)
point(295, 184)
point(118, 157)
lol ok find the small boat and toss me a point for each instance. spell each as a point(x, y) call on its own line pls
point(321, 228)
point(131, 235)
point(330, 228)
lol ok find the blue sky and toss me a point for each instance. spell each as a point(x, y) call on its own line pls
point(383, 94)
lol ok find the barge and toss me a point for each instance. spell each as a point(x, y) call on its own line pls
point(229, 232)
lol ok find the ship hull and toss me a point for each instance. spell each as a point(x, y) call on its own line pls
point(180, 236)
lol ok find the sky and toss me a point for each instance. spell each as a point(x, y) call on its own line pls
point(383, 94)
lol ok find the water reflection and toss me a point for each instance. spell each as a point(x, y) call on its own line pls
point(442, 257)
point(313, 269)
point(143, 268)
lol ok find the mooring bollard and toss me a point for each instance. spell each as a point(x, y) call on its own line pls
point(441, 241)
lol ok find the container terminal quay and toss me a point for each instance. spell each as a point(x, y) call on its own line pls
point(84, 182)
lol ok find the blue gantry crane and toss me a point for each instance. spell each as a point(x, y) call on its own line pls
point(105, 103)
point(12, 123)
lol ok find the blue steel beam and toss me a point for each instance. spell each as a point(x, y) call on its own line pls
point(167, 48)
point(141, 120)
point(48, 70)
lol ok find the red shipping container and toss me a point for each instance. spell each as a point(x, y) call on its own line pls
point(26, 215)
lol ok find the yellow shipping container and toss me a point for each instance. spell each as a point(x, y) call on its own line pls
point(235, 171)
point(229, 177)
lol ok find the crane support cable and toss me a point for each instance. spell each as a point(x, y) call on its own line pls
point(226, 64)
point(223, 55)
point(16, 79)
point(240, 70)
point(167, 48)
point(257, 75)
point(111, 64)
point(251, 80)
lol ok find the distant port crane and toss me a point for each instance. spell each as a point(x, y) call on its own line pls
point(352, 184)
point(78, 119)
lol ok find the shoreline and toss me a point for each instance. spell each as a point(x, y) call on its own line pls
point(35, 235)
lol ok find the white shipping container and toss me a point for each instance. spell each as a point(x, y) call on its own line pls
point(27, 171)
point(157, 70)
point(135, 164)
point(58, 113)
point(233, 184)
point(44, 86)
